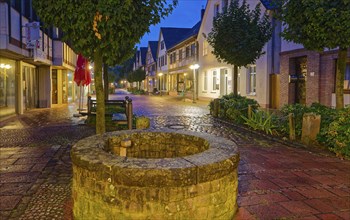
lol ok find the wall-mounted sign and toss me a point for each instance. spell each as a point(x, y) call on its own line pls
point(32, 34)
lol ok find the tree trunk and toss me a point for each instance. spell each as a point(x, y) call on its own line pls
point(105, 81)
point(340, 77)
point(235, 78)
point(100, 110)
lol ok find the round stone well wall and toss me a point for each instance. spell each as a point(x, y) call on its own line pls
point(165, 175)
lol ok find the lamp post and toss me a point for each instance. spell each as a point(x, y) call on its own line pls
point(194, 67)
point(184, 87)
point(160, 83)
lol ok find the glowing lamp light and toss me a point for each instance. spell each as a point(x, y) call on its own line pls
point(5, 66)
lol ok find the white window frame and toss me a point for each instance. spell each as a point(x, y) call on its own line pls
point(205, 48)
point(216, 85)
point(252, 79)
point(205, 81)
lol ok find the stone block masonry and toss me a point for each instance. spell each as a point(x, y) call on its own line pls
point(201, 184)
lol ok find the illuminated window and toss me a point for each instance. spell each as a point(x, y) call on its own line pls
point(205, 47)
point(216, 81)
point(252, 79)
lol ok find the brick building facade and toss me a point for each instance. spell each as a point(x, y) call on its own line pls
point(307, 77)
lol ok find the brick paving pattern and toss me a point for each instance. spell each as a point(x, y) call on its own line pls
point(276, 181)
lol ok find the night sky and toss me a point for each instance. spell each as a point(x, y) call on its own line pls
point(186, 14)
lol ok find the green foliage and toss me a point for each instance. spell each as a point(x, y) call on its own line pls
point(136, 91)
point(136, 76)
point(113, 26)
point(104, 31)
point(234, 106)
point(327, 116)
point(261, 120)
point(337, 135)
point(317, 25)
point(239, 29)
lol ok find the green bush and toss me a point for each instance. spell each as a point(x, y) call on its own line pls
point(337, 135)
point(261, 120)
point(233, 107)
point(327, 116)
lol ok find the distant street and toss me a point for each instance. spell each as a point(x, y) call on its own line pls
point(276, 181)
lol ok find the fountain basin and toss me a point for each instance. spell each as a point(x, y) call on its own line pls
point(165, 174)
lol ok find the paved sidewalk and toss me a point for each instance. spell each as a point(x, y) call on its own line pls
point(275, 181)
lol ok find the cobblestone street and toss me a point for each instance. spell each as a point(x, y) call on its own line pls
point(276, 181)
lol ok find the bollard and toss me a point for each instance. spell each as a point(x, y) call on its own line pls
point(250, 111)
point(216, 109)
point(130, 114)
point(291, 126)
point(89, 105)
point(311, 127)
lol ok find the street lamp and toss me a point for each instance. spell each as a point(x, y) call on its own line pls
point(194, 67)
point(160, 83)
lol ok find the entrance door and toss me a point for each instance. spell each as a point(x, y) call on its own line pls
point(297, 85)
point(54, 87)
point(30, 87)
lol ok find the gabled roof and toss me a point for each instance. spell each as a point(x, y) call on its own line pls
point(143, 51)
point(269, 5)
point(173, 35)
point(154, 46)
point(190, 33)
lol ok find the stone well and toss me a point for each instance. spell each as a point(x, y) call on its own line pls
point(165, 175)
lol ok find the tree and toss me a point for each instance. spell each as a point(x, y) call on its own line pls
point(137, 76)
point(317, 25)
point(238, 35)
point(140, 74)
point(104, 31)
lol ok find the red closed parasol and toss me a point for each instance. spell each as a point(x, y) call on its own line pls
point(82, 73)
point(82, 77)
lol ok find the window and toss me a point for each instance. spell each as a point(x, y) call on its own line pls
point(165, 59)
point(187, 51)
point(172, 58)
point(216, 81)
point(193, 50)
point(162, 45)
point(180, 54)
point(216, 9)
point(205, 47)
point(159, 61)
point(205, 81)
point(252, 79)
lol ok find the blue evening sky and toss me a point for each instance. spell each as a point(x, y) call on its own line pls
point(185, 15)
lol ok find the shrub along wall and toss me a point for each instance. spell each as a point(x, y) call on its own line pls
point(335, 124)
